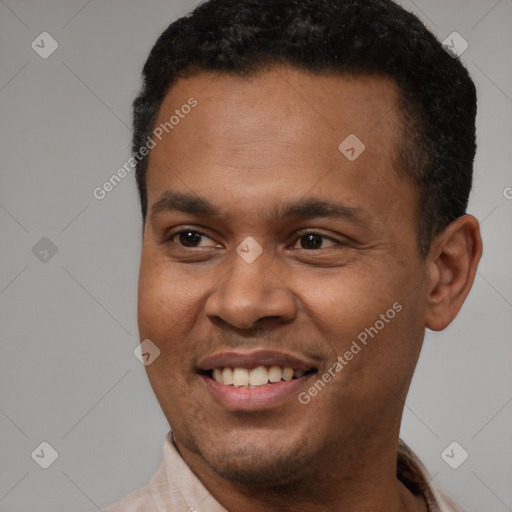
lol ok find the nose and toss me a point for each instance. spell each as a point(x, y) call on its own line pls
point(250, 294)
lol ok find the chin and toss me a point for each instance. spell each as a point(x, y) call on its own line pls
point(263, 461)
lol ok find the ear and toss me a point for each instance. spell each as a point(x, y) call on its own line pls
point(452, 263)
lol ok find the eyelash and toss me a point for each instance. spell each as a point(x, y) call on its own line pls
point(172, 235)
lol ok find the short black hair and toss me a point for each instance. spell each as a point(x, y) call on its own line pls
point(352, 37)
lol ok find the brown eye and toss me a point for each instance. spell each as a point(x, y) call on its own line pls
point(310, 241)
point(189, 238)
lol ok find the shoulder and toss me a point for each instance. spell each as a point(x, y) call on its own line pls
point(447, 503)
point(138, 501)
point(415, 476)
point(143, 499)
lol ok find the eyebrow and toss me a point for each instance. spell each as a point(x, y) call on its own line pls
point(302, 209)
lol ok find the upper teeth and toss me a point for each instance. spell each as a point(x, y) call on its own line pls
point(256, 377)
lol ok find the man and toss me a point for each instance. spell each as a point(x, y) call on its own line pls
point(304, 169)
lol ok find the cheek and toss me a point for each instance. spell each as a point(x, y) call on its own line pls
point(168, 303)
point(152, 301)
point(162, 319)
point(347, 300)
point(164, 297)
point(366, 317)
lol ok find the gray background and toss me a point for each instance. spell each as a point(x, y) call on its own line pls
point(68, 375)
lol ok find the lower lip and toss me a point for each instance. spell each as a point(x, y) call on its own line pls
point(257, 398)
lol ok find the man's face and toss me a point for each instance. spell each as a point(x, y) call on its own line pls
point(250, 149)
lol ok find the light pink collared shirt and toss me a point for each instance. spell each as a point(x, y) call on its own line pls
point(175, 488)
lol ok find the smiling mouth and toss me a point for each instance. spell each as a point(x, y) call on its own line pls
point(255, 377)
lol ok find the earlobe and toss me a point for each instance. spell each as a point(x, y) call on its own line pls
point(453, 260)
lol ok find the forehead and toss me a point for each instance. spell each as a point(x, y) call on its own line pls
point(269, 100)
point(278, 131)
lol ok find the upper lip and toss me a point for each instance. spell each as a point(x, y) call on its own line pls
point(253, 359)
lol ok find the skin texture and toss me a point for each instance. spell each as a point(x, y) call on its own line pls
point(249, 147)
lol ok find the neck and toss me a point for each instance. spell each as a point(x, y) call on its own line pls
point(348, 477)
